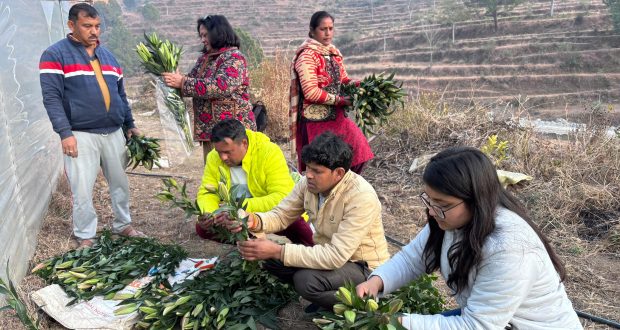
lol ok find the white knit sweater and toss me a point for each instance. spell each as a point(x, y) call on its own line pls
point(515, 282)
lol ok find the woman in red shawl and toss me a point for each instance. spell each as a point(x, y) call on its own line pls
point(317, 74)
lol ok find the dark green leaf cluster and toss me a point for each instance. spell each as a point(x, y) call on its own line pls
point(233, 295)
point(233, 204)
point(421, 297)
point(354, 312)
point(177, 197)
point(143, 151)
point(108, 266)
point(373, 101)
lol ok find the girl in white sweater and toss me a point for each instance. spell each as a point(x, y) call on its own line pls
point(500, 267)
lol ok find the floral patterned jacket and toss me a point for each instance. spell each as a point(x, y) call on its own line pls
point(219, 86)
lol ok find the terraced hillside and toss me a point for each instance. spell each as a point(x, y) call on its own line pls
point(554, 61)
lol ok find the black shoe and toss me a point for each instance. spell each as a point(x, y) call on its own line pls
point(313, 309)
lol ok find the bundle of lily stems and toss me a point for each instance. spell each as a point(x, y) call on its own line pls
point(158, 56)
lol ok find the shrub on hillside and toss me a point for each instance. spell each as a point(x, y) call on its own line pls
point(614, 11)
point(117, 38)
point(344, 40)
point(579, 19)
point(572, 62)
point(110, 13)
point(250, 47)
point(150, 13)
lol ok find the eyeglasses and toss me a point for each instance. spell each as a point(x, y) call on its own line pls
point(204, 19)
point(441, 213)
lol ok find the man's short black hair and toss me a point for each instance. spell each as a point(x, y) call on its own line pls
point(228, 128)
point(82, 7)
point(221, 33)
point(328, 150)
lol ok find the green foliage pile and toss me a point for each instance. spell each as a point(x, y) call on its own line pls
point(142, 150)
point(236, 294)
point(354, 312)
point(108, 266)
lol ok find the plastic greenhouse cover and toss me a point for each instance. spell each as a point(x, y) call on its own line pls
point(177, 143)
point(30, 153)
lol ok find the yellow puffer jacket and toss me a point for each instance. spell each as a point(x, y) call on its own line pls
point(269, 180)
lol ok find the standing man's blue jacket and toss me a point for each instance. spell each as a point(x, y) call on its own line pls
point(71, 93)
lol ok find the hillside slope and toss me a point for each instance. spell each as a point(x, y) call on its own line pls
point(567, 60)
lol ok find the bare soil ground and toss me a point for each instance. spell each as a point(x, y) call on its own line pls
point(593, 276)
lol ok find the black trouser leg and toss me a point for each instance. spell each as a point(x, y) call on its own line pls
point(320, 286)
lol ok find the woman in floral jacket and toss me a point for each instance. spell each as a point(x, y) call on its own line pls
point(219, 83)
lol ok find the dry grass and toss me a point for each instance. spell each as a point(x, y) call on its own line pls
point(270, 83)
point(574, 197)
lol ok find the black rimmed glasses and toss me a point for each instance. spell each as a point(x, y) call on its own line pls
point(440, 212)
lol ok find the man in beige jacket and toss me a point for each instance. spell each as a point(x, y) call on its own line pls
point(346, 213)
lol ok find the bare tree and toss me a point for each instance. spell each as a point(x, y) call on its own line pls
point(431, 34)
point(372, 11)
point(493, 8)
point(552, 7)
point(384, 42)
point(452, 12)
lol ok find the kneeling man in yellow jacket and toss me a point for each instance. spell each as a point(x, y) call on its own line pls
point(346, 214)
point(258, 167)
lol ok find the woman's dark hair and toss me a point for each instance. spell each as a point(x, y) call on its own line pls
point(228, 128)
point(328, 150)
point(221, 33)
point(316, 19)
point(82, 7)
point(468, 174)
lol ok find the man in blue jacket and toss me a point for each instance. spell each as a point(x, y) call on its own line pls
point(84, 95)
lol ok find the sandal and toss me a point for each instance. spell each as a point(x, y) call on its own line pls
point(85, 243)
point(130, 231)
